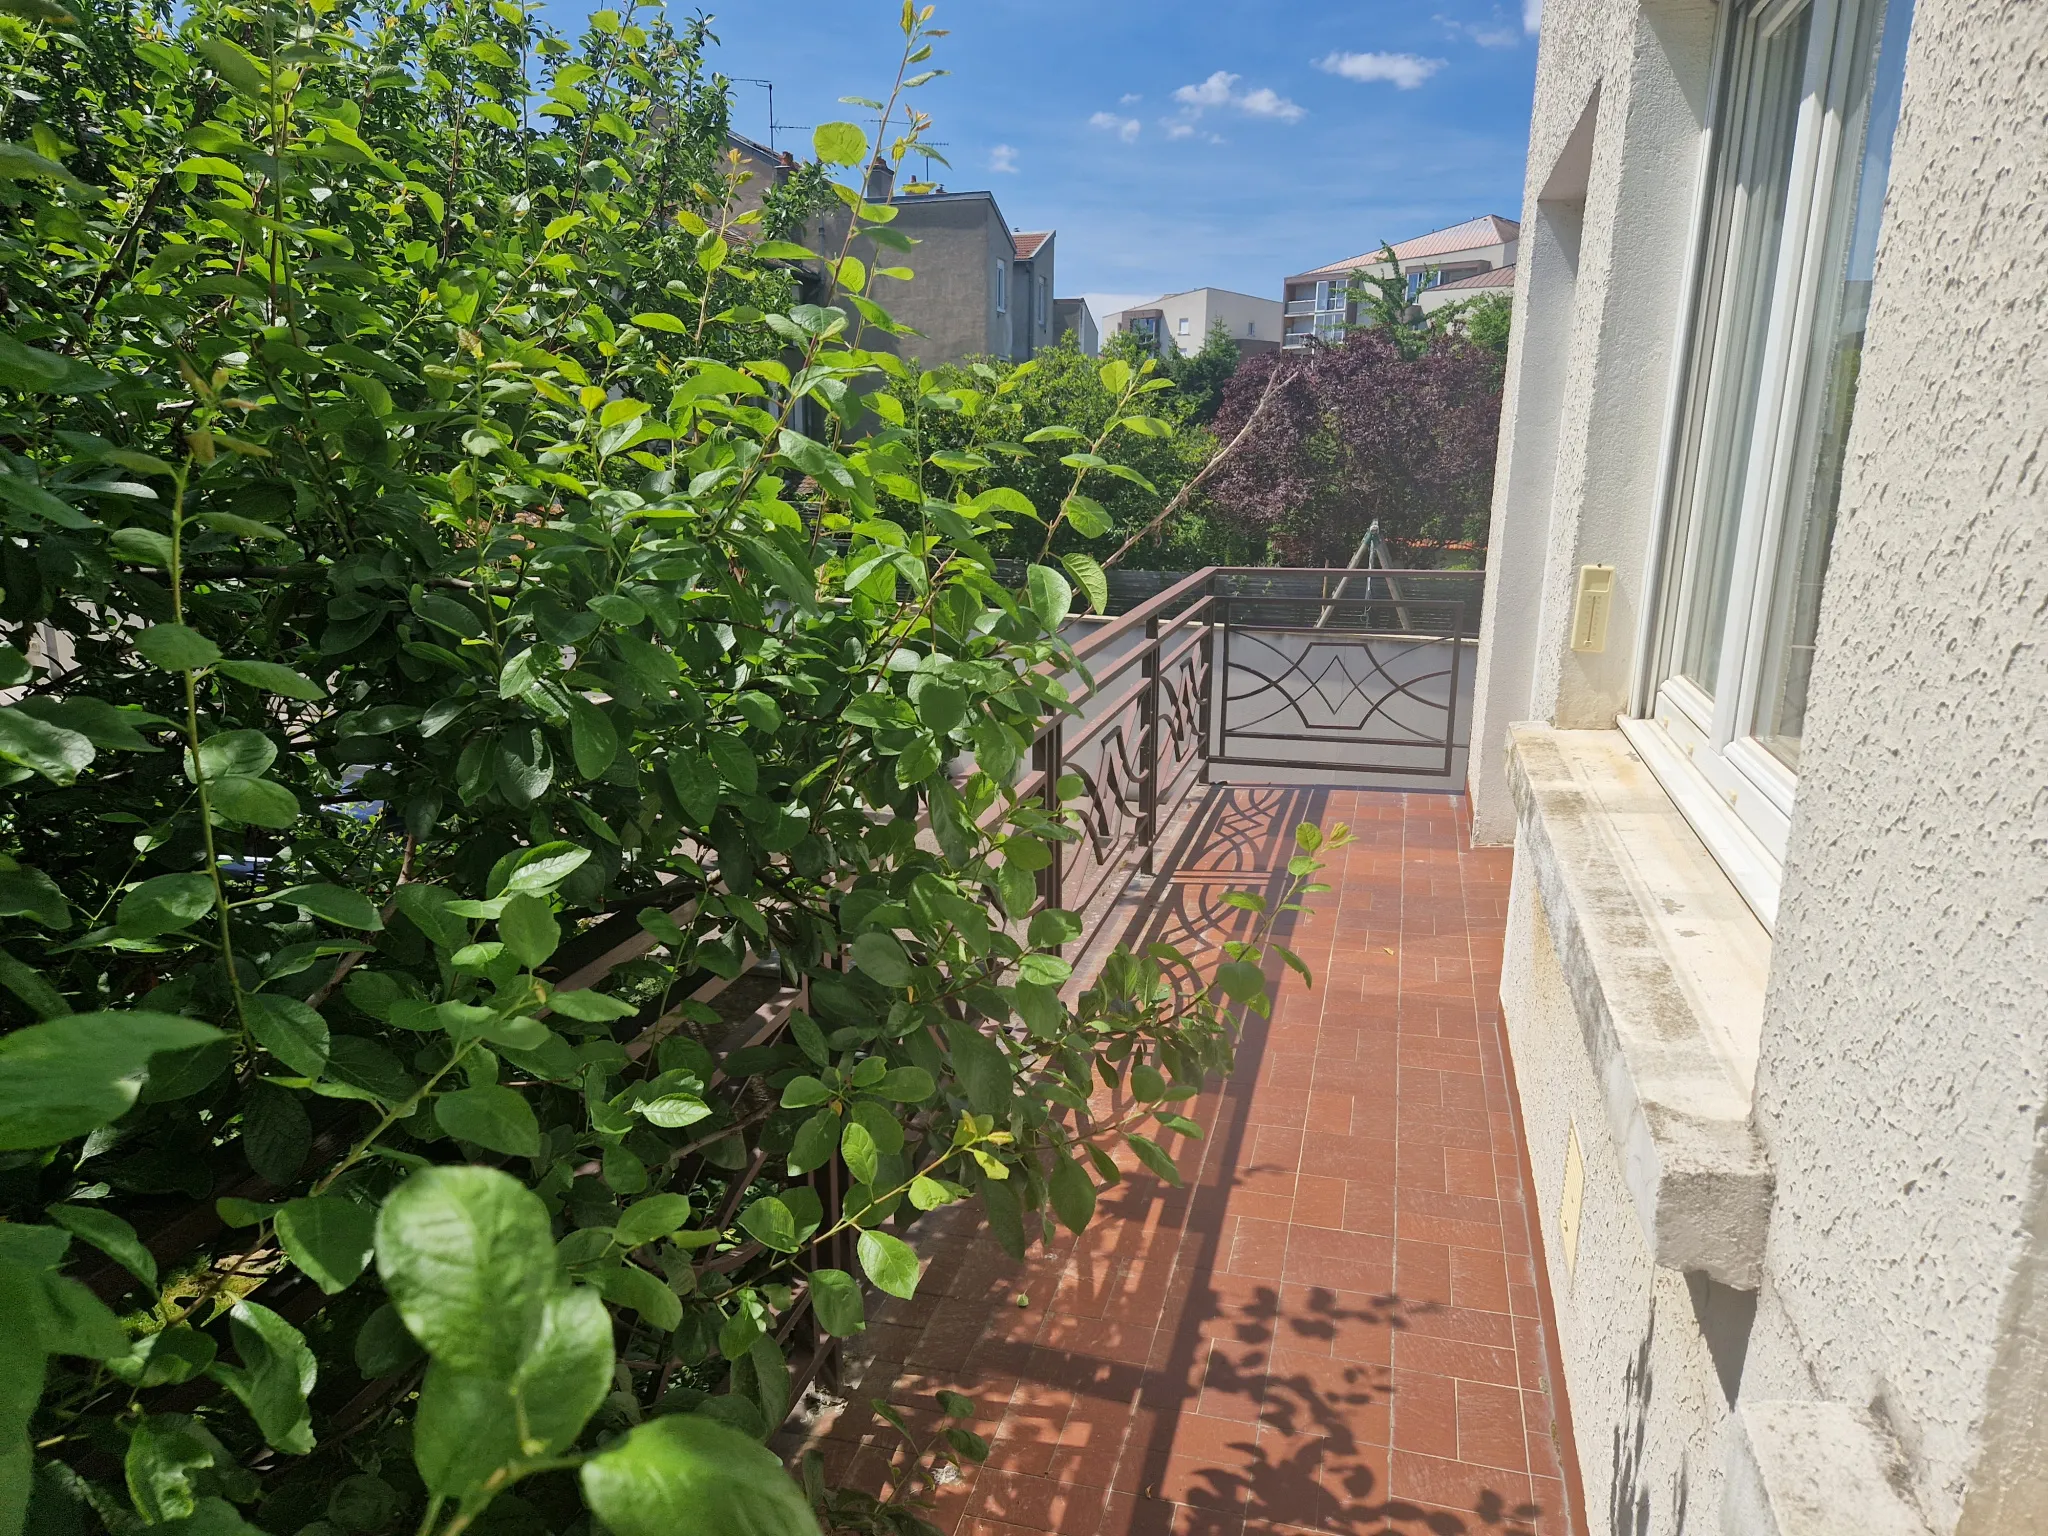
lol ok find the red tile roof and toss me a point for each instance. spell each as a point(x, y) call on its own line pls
point(1487, 229)
point(1028, 242)
point(1498, 277)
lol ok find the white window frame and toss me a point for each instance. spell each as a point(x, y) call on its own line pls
point(1043, 309)
point(1002, 286)
point(1737, 795)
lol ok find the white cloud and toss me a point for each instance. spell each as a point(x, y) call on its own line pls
point(1212, 92)
point(1499, 33)
point(1129, 99)
point(1267, 102)
point(1403, 70)
point(1532, 15)
point(1125, 128)
point(1177, 130)
point(1003, 158)
point(1220, 90)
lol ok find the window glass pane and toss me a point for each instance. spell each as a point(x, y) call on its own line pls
point(1871, 112)
point(1755, 191)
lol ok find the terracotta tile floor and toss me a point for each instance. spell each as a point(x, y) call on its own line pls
point(1335, 1327)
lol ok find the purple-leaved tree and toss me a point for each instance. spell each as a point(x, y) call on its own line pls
point(1356, 433)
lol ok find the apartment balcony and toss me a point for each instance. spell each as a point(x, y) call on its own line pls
point(1338, 1324)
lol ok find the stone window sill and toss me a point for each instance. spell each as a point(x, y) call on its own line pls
point(1665, 963)
point(1814, 1469)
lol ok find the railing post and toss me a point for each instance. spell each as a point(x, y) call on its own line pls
point(1211, 728)
point(1051, 762)
point(1148, 750)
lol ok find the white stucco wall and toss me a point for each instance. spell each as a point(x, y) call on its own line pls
point(1902, 1090)
point(1904, 1072)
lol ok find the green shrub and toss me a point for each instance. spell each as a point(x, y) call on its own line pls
point(438, 552)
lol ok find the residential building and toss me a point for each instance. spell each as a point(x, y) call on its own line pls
point(980, 288)
point(1464, 290)
point(1321, 307)
point(1184, 320)
point(1762, 707)
point(1074, 315)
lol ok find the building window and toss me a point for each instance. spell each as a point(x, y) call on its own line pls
point(1809, 100)
point(1183, 325)
point(1044, 309)
point(1251, 330)
point(1002, 286)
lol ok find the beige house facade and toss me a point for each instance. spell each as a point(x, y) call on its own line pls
point(1762, 705)
point(1184, 320)
point(1320, 305)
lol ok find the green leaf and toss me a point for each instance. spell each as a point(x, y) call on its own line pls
point(468, 1425)
point(537, 871)
point(890, 1263)
point(840, 143)
point(382, 1345)
point(836, 1302)
point(329, 1238)
point(164, 904)
point(1087, 517)
point(275, 1379)
point(1153, 1156)
point(803, 1091)
point(176, 648)
point(857, 1146)
point(244, 752)
point(235, 65)
point(290, 1031)
point(467, 1257)
point(1048, 596)
point(631, 1286)
point(658, 320)
point(273, 678)
point(687, 1475)
point(26, 892)
point(815, 1142)
point(1241, 980)
point(253, 802)
point(36, 372)
point(337, 903)
point(590, 1007)
point(736, 762)
point(906, 1085)
point(591, 738)
point(71, 1075)
point(111, 1235)
point(277, 1133)
point(170, 1358)
point(167, 1455)
point(529, 930)
point(1073, 1193)
point(492, 1117)
point(1090, 577)
point(143, 546)
point(59, 755)
point(1147, 1086)
point(655, 1217)
point(770, 1221)
point(881, 956)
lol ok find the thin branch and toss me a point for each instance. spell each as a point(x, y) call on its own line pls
point(1181, 496)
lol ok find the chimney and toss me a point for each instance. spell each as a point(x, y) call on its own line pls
point(785, 168)
point(881, 182)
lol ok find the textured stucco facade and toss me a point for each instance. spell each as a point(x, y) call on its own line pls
point(1886, 1368)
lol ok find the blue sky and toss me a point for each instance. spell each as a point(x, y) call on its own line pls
point(1177, 143)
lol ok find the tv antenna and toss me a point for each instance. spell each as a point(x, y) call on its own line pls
point(769, 87)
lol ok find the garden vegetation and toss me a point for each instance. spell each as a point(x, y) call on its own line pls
point(466, 580)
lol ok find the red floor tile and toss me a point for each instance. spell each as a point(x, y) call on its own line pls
point(1334, 1327)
